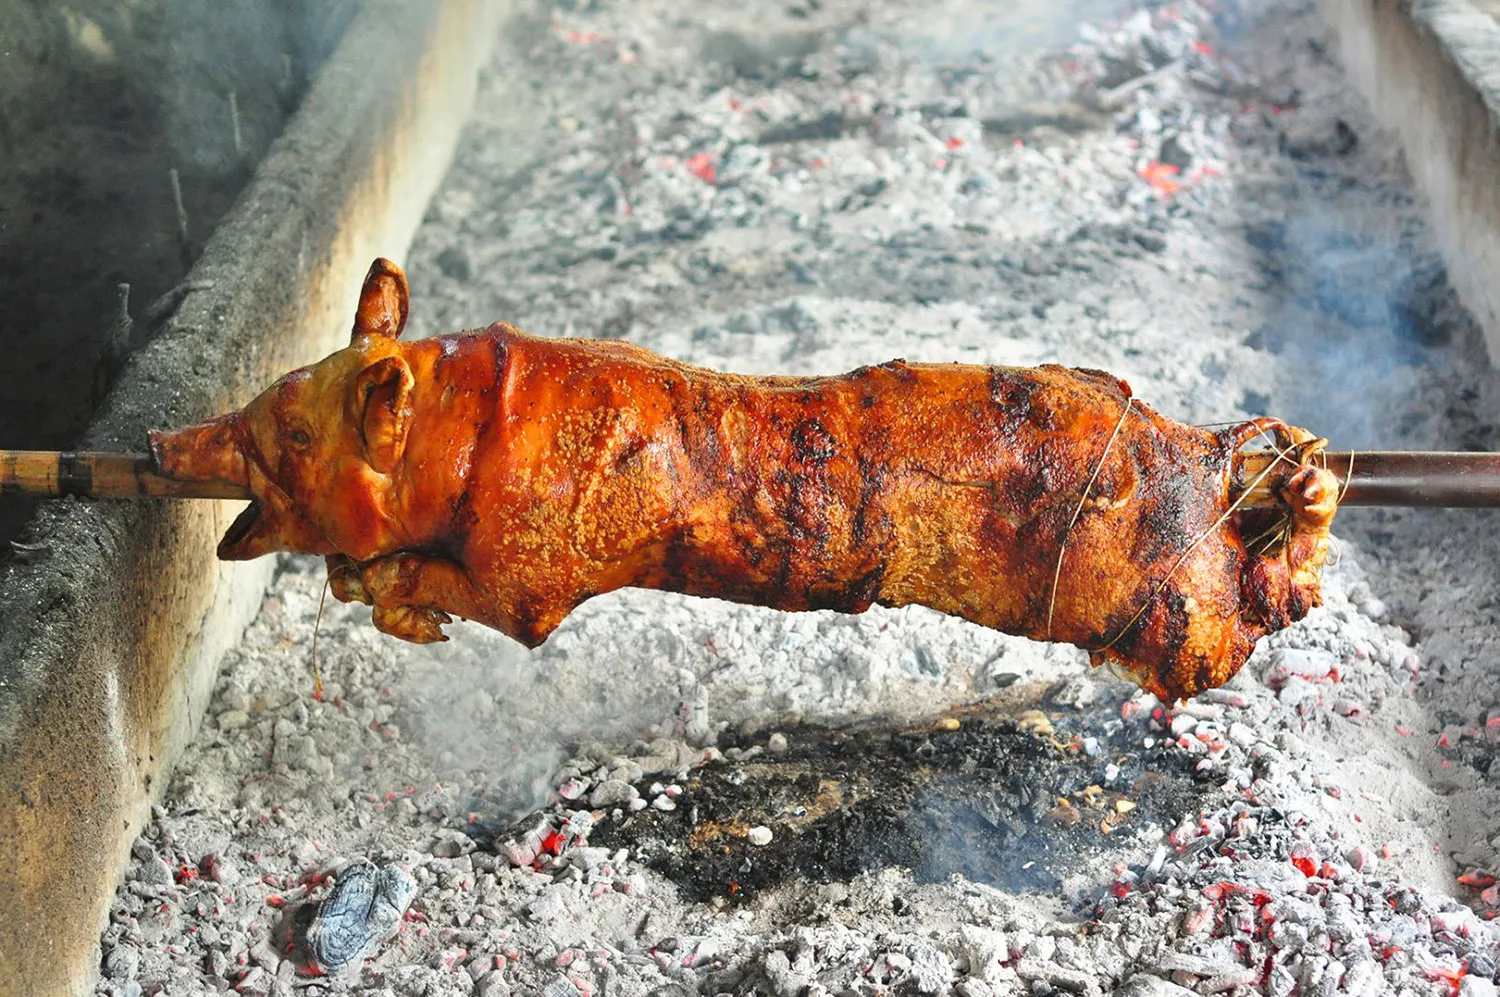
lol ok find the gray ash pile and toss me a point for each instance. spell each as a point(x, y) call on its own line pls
point(1184, 194)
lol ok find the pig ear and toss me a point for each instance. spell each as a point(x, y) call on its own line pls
point(382, 302)
point(382, 409)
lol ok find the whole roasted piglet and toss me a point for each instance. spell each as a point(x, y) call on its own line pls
point(506, 479)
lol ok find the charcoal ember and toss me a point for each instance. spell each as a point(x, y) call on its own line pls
point(611, 792)
point(1119, 71)
point(364, 909)
point(255, 983)
point(1058, 977)
point(560, 986)
point(491, 986)
point(449, 844)
point(155, 871)
point(1476, 986)
point(546, 840)
point(1174, 152)
point(786, 977)
point(1146, 985)
point(985, 949)
point(931, 970)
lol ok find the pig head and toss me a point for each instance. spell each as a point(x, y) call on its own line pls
point(318, 448)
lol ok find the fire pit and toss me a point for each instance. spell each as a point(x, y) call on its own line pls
point(687, 796)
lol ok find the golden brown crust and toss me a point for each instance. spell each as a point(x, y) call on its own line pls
point(525, 475)
point(950, 486)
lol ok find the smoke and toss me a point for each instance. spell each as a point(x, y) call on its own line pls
point(1359, 316)
point(231, 73)
point(959, 31)
point(1366, 343)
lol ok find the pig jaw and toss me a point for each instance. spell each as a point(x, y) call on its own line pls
point(270, 524)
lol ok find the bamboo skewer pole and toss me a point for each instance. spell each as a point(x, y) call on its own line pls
point(1435, 479)
point(100, 475)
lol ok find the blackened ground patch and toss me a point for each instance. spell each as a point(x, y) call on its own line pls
point(981, 801)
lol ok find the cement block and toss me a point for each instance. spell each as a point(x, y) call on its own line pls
point(1431, 71)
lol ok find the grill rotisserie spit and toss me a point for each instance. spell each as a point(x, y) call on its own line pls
point(506, 479)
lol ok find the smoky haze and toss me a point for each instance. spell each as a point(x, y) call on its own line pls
point(1363, 315)
point(1363, 322)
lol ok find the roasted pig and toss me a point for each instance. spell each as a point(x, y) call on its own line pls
point(506, 479)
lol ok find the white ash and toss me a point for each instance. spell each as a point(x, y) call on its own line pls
point(804, 188)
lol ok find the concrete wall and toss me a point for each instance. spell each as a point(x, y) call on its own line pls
point(1431, 70)
point(112, 633)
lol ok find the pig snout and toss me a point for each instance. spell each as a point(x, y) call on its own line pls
point(209, 451)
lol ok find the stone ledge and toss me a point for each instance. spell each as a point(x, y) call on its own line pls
point(1431, 71)
point(111, 638)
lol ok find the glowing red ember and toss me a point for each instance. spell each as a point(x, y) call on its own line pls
point(1162, 177)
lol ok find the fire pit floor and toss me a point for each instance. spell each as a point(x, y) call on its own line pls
point(682, 796)
point(998, 799)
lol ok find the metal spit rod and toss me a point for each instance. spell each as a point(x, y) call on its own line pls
point(1432, 479)
point(1368, 478)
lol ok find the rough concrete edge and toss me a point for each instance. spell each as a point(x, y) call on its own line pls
point(110, 646)
point(1431, 71)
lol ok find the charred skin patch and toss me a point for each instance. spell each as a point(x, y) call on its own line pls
point(808, 512)
point(813, 445)
point(1012, 394)
point(900, 368)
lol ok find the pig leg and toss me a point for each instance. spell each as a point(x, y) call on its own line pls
point(344, 580)
point(407, 591)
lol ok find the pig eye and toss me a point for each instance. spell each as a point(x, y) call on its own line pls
point(299, 437)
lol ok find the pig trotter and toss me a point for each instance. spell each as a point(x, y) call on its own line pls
point(344, 580)
point(1312, 493)
point(417, 624)
point(410, 593)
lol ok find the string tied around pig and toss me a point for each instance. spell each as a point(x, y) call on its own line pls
point(318, 624)
point(1305, 451)
point(1083, 499)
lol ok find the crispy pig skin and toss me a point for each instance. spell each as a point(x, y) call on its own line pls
point(506, 479)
